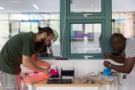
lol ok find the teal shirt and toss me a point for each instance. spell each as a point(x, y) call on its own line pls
point(11, 53)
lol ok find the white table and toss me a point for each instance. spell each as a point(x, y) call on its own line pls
point(101, 83)
point(30, 83)
point(107, 82)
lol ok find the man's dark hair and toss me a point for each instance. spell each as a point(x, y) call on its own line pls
point(117, 38)
point(48, 30)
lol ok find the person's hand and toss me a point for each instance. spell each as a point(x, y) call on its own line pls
point(107, 64)
point(106, 55)
point(46, 72)
point(48, 66)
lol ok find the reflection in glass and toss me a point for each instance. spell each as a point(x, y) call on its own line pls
point(80, 6)
point(85, 38)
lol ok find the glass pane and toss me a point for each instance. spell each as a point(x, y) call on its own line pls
point(123, 17)
point(54, 24)
point(85, 38)
point(80, 6)
point(29, 26)
point(4, 29)
point(4, 32)
point(28, 18)
point(54, 16)
point(15, 26)
point(19, 17)
point(44, 16)
point(3, 16)
point(34, 27)
point(25, 27)
point(36, 17)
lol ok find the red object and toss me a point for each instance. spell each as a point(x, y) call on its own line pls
point(19, 81)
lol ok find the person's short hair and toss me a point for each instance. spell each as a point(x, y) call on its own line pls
point(117, 37)
point(48, 30)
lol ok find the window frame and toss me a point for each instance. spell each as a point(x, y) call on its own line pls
point(66, 18)
point(80, 14)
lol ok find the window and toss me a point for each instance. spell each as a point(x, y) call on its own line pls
point(12, 24)
point(3, 16)
point(86, 6)
point(82, 27)
point(83, 40)
point(123, 17)
point(4, 32)
point(23, 17)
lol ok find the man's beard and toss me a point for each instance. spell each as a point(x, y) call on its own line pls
point(40, 45)
point(42, 41)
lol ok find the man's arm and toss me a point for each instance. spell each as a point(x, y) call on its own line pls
point(40, 62)
point(126, 68)
point(118, 59)
point(44, 64)
point(26, 61)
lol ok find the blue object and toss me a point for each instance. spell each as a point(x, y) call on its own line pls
point(107, 72)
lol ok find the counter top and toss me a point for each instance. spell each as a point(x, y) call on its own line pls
point(104, 79)
point(41, 79)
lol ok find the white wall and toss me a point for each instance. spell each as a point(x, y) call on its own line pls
point(82, 67)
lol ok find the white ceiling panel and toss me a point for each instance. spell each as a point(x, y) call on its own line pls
point(27, 5)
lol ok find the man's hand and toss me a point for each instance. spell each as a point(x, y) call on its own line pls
point(46, 72)
point(106, 55)
point(107, 64)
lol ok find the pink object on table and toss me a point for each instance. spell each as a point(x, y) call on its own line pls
point(54, 72)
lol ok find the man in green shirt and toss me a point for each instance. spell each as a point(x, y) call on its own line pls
point(18, 50)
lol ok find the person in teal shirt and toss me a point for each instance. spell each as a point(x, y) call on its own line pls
point(18, 50)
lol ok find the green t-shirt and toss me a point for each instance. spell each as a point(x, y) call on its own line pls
point(11, 54)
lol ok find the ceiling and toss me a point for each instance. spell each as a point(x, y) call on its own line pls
point(27, 5)
point(54, 5)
